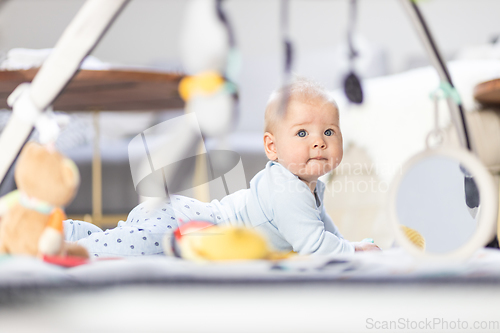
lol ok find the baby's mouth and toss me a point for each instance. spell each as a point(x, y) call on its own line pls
point(318, 158)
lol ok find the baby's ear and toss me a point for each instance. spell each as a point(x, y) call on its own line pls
point(270, 146)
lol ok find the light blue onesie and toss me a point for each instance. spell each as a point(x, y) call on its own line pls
point(278, 204)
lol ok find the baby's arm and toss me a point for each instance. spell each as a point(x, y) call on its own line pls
point(300, 223)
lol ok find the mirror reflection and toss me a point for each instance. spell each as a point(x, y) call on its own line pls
point(438, 204)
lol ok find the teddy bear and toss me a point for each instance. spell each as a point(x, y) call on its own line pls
point(32, 223)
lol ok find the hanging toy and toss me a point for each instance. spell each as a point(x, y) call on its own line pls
point(287, 43)
point(210, 58)
point(205, 84)
point(352, 84)
point(447, 91)
point(288, 54)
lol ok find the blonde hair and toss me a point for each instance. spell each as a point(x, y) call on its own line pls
point(301, 89)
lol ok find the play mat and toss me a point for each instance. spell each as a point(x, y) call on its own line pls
point(389, 265)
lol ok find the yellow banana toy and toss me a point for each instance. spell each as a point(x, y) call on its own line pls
point(204, 241)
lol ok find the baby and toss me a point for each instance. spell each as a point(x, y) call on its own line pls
point(284, 201)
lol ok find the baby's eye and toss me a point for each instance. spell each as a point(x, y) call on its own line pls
point(329, 132)
point(302, 133)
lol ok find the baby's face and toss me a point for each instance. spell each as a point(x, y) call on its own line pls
point(308, 141)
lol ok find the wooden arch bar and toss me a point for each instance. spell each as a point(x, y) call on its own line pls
point(106, 90)
point(488, 93)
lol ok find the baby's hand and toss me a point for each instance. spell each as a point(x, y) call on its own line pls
point(365, 246)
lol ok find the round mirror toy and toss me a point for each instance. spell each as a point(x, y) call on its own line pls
point(443, 204)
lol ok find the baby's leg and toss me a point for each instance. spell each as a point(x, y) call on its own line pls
point(125, 241)
point(76, 230)
point(143, 231)
point(141, 234)
point(177, 210)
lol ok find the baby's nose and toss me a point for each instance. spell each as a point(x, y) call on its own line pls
point(319, 144)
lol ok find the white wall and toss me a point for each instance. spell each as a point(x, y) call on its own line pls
point(146, 30)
